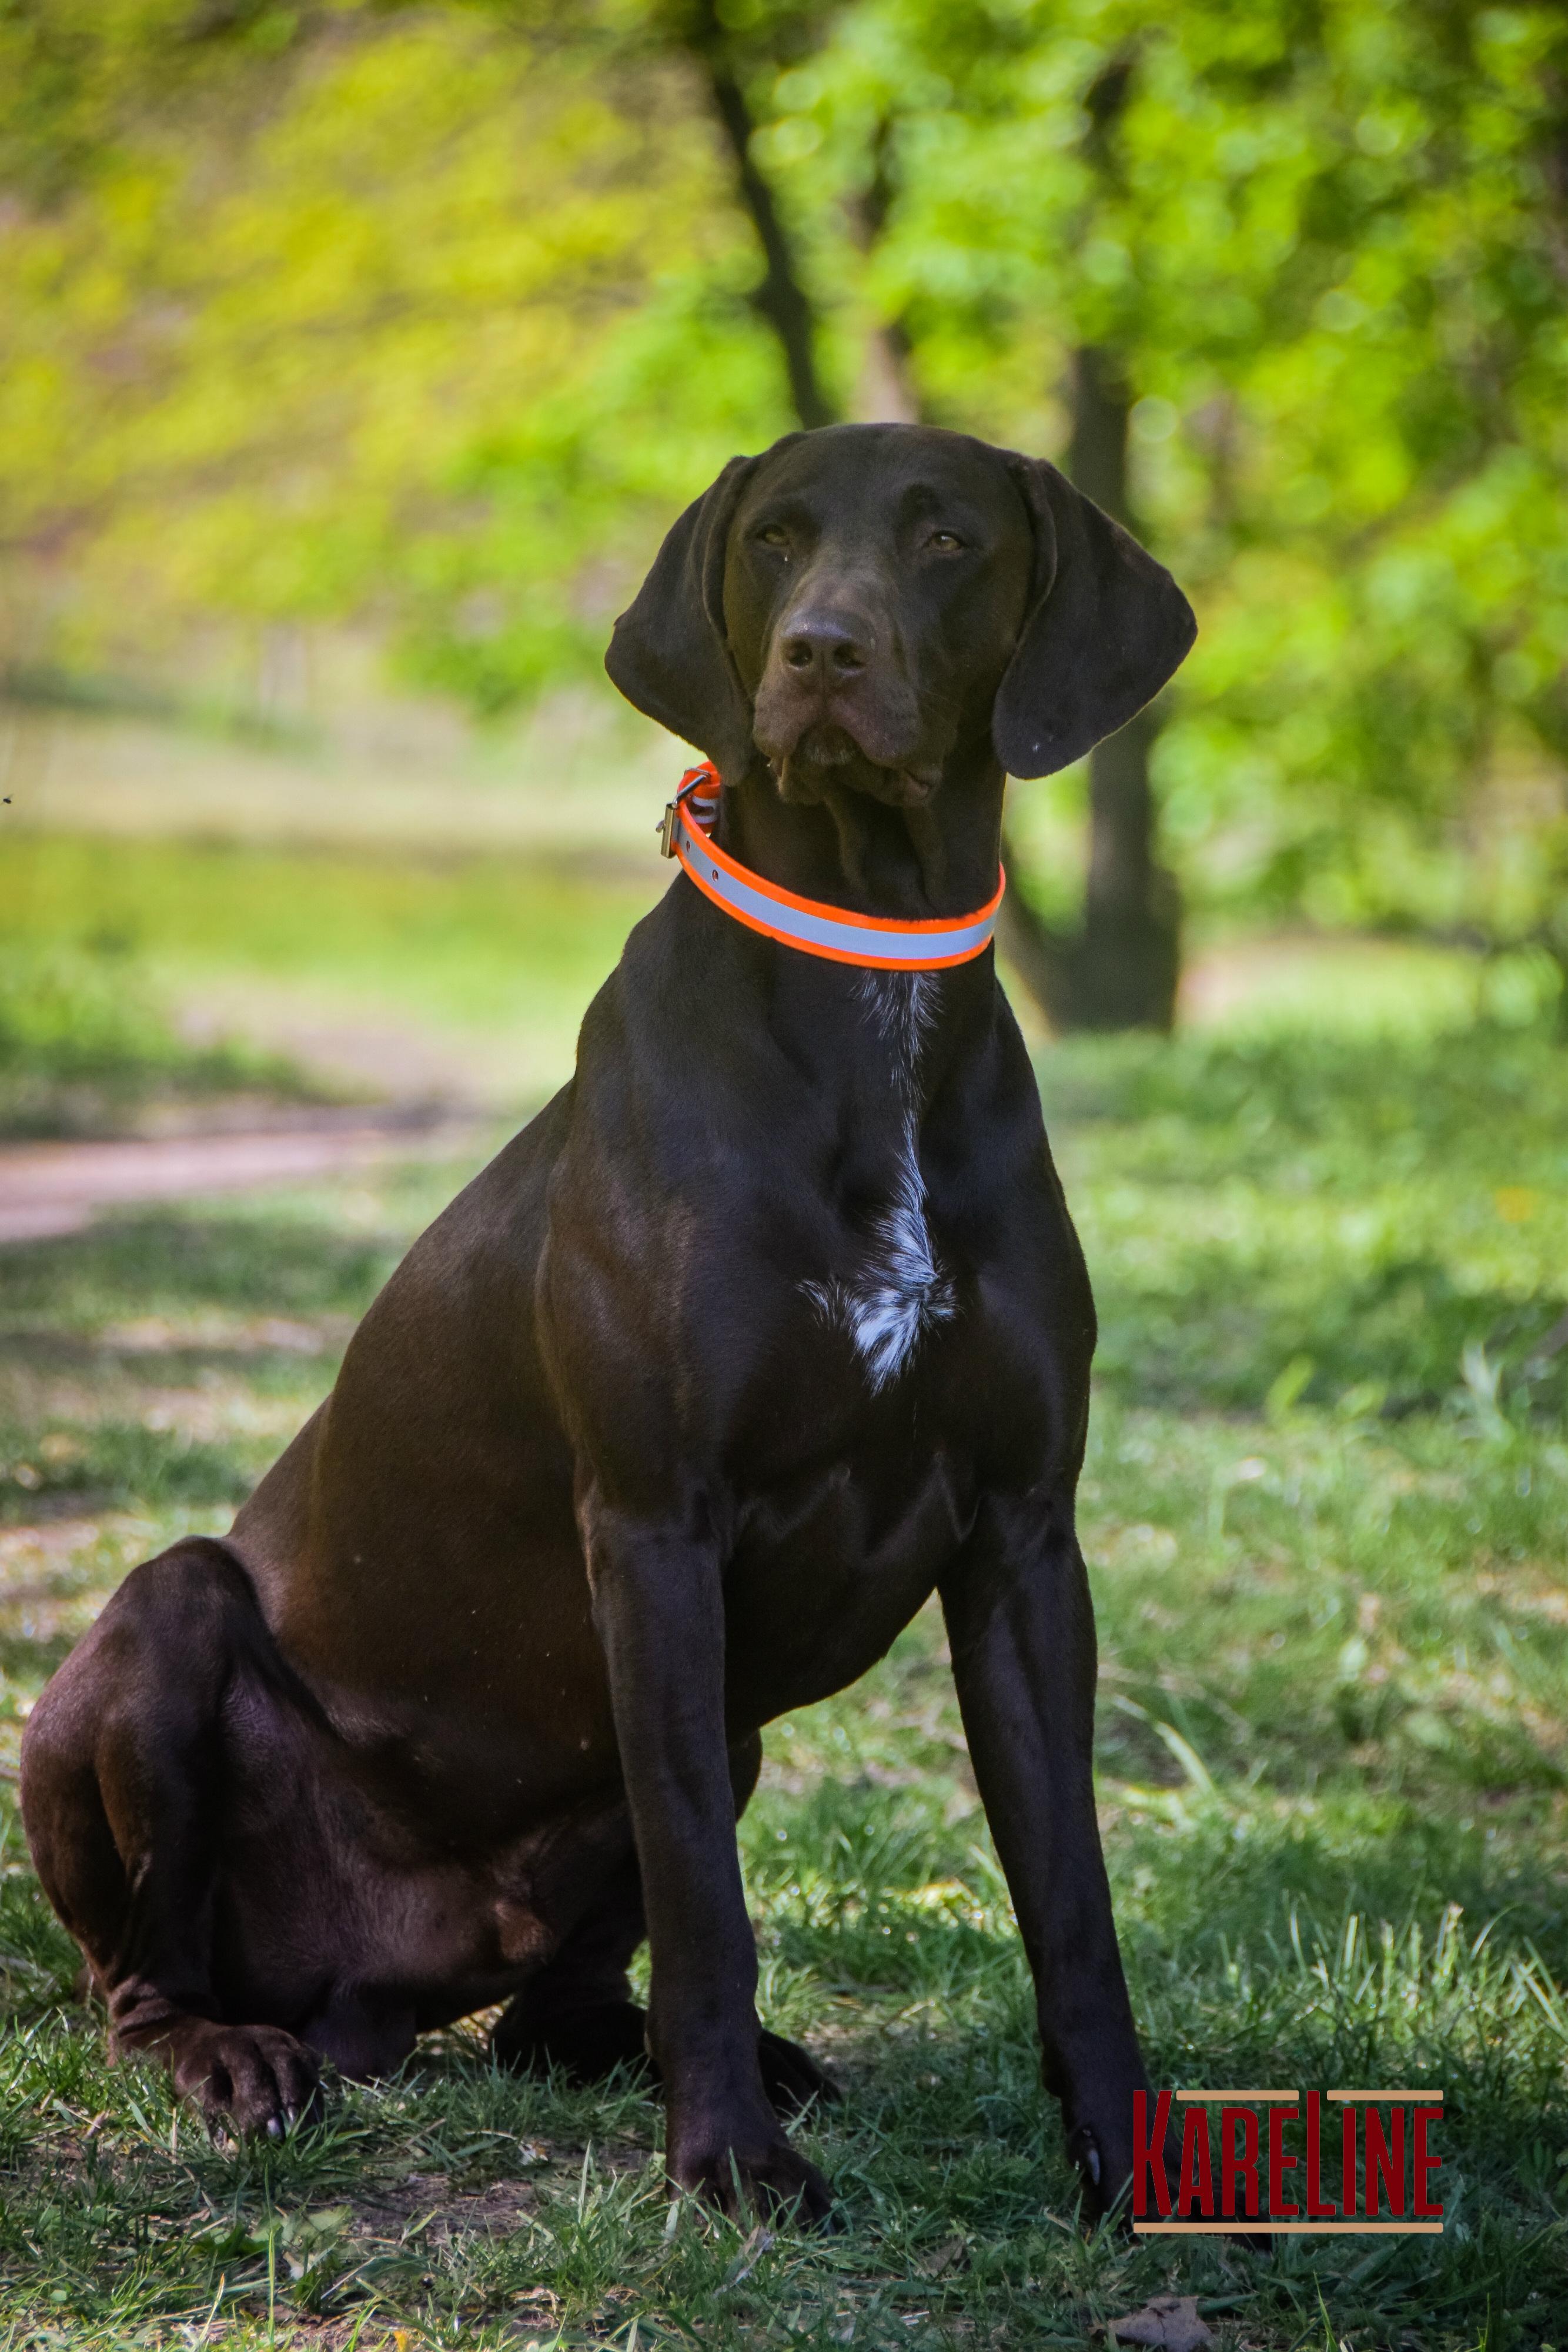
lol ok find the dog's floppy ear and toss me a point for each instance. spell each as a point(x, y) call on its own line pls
point(1108, 626)
point(668, 654)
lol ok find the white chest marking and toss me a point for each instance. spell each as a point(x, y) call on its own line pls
point(901, 1290)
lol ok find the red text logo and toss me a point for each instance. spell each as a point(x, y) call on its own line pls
point(1248, 2171)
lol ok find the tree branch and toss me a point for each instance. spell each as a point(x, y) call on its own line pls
point(780, 298)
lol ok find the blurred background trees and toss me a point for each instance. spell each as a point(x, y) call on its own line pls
point(424, 320)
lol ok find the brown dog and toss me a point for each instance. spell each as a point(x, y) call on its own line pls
point(772, 1322)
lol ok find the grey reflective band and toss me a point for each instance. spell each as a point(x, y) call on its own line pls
point(820, 930)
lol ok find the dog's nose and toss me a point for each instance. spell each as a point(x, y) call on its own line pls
point(827, 644)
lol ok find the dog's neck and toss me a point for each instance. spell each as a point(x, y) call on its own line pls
point(882, 1043)
point(849, 850)
point(880, 1049)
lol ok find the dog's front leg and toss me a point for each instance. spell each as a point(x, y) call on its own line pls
point(658, 1604)
point(1020, 1626)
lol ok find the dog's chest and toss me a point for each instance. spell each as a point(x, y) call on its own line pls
point(896, 1290)
point(829, 1568)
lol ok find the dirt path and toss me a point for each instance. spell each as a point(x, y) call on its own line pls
point(49, 1189)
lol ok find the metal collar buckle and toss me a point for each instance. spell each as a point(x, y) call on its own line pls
point(705, 807)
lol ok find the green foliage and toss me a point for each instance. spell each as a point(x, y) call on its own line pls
point(433, 318)
point(221, 1281)
point(78, 78)
point(390, 340)
point(1329, 251)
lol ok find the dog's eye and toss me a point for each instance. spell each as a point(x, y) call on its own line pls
point(946, 542)
point(773, 534)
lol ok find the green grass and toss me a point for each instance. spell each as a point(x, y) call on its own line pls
point(491, 939)
point(498, 954)
point(86, 1043)
point(1326, 1510)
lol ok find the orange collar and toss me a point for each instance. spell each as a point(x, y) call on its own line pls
point(871, 940)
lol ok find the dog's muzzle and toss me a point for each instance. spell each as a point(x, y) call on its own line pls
point(834, 709)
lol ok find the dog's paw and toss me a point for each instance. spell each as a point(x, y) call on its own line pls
point(1108, 2189)
point(1103, 2160)
point(768, 2178)
point(247, 2079)
point(791, 2076)
point(1084, 2154)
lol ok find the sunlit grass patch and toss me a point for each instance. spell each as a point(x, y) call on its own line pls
point(495, 955)
point(1380, 1226)
point(86, 1042)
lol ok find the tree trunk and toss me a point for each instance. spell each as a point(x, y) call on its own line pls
point(780, 298)
point(1119, 970)
point(1127, 957)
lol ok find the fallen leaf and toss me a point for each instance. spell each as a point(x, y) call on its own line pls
point(940, 2258)
point(745, 2261)
point(1168, 2322)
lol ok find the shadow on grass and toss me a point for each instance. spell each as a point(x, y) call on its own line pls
point(117, 1464)
point(1317, 1102)
point(260, 1258)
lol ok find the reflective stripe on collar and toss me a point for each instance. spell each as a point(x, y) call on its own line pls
point(816, 929)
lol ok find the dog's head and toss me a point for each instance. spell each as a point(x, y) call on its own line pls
point(858, 603)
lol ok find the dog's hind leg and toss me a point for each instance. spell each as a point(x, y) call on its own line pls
point(124, 1778)
point(578, 2015)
